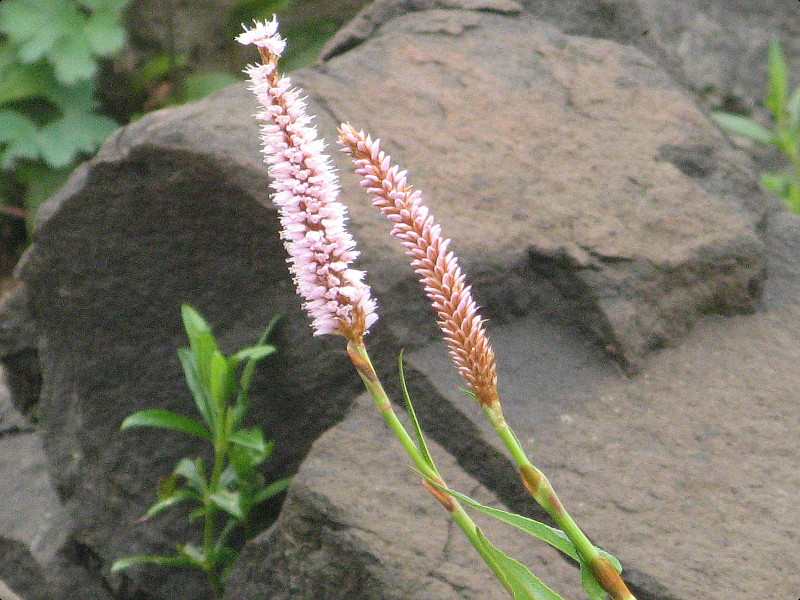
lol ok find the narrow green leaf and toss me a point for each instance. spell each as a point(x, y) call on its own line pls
point(167, 486)
point(220, 380)
point(165, 419)
point(250, 438)
point(200, 393)
point(249, 368)
point(193, 472)
point(194, 554)
point(524, 584)
point(590, 584)
point(150, 559)
point(744, 127)
point(777, 81)
point(169, 502)
point(228, 476)
point(423, 448)
point(273, 489)
point(229, 502)
point(201, 512)
point(254, 353)
point(201, 340)
point(550, 535)
point(194, 323)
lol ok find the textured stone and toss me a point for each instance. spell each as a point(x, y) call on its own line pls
point(597, 180)
point(20, 576)
point(716, 48)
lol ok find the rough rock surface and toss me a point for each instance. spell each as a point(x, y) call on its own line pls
point(609, 209)
point(20, 576)
point(597, 177)
point(27, 497)
point(357, 515)
point(718, 48)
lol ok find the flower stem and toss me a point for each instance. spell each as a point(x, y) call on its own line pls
point(542, 491)
point(358, 355)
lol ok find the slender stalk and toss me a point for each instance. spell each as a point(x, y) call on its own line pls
point(542, 491)
point(360, 358)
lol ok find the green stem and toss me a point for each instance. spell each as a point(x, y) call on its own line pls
point(210, 522)
point(542, 491)
point(360, 358)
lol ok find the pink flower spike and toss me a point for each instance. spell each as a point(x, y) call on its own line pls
point(305, 190)
point(441, 276)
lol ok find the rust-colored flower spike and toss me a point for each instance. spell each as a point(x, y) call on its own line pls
point(444, 283)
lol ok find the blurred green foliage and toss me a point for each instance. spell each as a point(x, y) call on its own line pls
point(49, 56)
point(54, 55)
point(784, 133)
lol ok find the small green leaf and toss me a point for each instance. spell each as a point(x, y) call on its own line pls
point(165, 419)
point(149, 559)
point(524, 584)
point(201, 340)
point(250, 438)
point(273, 489)
point(169, 502)
point(167, 487)
point(555, 537)
point(200, 393)
point(18, 137)
point(41, 182)
point(229, 502)
point(72, 59)
point(423, 448)
point(221, 383)
point(744, 127)
point(76, 132)
point(249, 368)
point(18, 80)
point(777, 81)
point(254, 353)
point(193, 472)
point(104, 33)
point(194, 554)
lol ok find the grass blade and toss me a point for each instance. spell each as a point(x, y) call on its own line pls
point(426, 455)
point(165, 419)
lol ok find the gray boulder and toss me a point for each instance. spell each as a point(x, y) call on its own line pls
point(21, 578)
point(718, 49)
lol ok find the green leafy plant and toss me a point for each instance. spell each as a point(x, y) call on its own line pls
point(49, 58)
point(784, 133)
point(231, 487)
